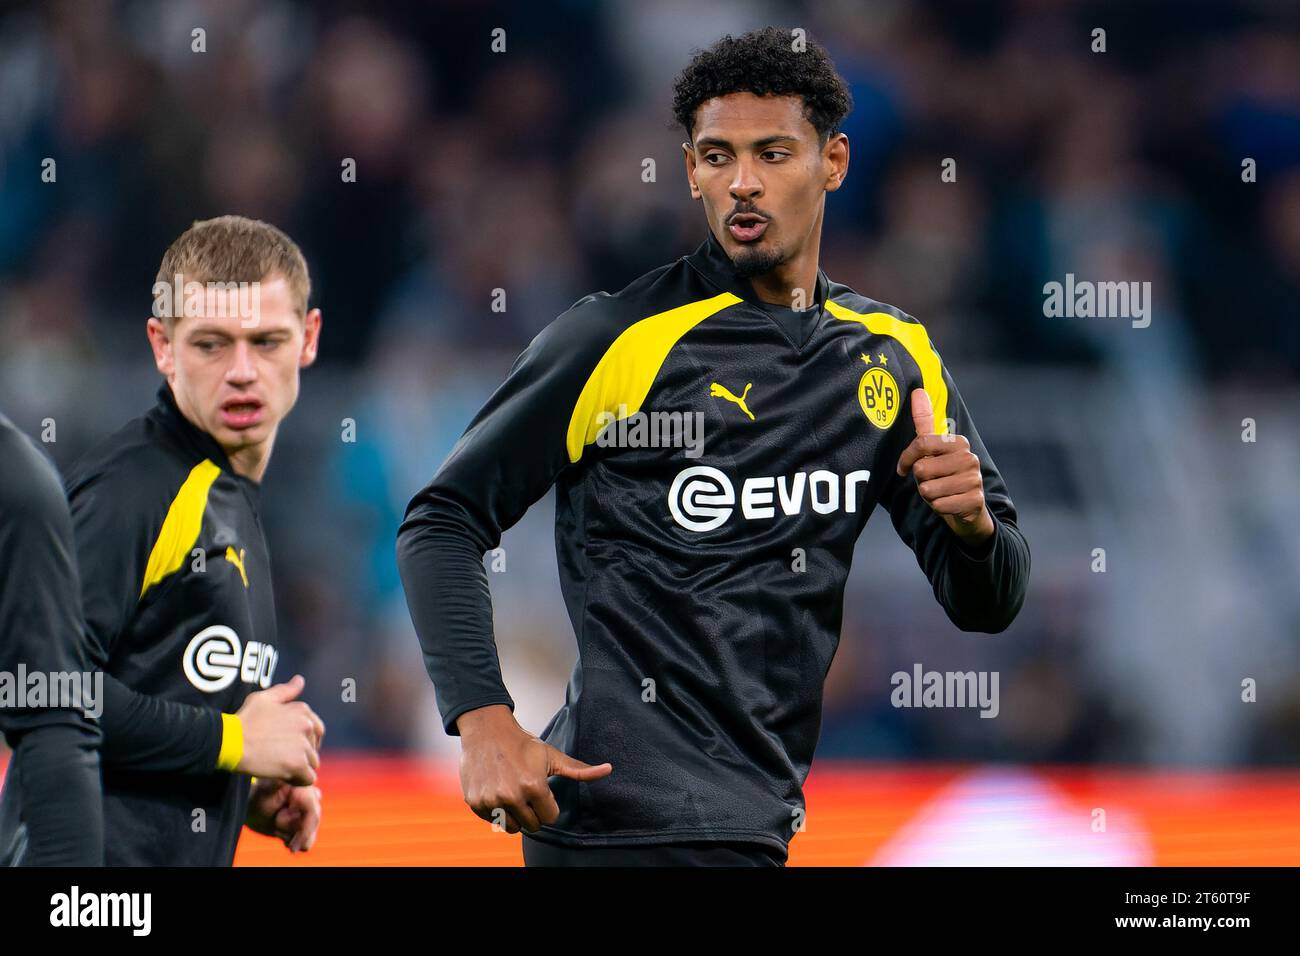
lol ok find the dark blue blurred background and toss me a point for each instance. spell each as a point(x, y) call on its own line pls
point(522, 171)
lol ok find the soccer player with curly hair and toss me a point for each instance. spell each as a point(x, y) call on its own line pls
point(704, 578)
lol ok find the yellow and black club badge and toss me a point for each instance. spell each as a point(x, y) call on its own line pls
point(878, 393)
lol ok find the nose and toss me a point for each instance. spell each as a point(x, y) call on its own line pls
point(242, 369)
point(746, 186)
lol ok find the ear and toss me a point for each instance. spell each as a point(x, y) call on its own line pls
point(310, 338)
point(690, 170)
point(163, 355)
point(836, 155)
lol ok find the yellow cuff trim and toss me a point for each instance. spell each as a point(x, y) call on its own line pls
point(232, 742)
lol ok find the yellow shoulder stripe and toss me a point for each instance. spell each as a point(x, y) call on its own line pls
point(913, 337)
point(622, 378)
point(180, 529)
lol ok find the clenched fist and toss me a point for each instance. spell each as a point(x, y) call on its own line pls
point(282, 736)
point(291, 813)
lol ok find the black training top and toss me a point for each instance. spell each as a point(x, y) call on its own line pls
point(176, 587)
point(705, 590)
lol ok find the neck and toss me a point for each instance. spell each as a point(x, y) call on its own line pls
point(251, 460)
point(248, 461)
point(795, 280)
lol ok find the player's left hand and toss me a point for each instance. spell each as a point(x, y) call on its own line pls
point(947, 474)
point(279, 809)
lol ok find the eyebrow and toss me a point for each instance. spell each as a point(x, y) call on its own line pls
point(220, 332)
point(705, 141)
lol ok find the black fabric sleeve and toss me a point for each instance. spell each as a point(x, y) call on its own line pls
point(116, 516)
point(980, 588)
point(58, 776)
point(55, 768)
point(41, 625)
point(147, 733)
point(508, 457)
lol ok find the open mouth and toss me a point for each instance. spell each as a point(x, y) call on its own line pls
point(746, 226)
point(241, 412)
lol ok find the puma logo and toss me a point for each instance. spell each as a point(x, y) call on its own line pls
point(721, 391)
point(238, 561)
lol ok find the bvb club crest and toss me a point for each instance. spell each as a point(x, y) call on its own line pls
point(878, 393)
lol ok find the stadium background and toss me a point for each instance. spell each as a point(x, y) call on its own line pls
point(522, 170)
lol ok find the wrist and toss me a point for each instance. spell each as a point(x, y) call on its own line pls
point(483, 721)
point(977, 539)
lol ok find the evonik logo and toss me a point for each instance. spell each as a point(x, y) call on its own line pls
point(703, 498)
point(214, 659)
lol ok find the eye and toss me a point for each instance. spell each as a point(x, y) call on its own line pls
point(779, 154)
point(710, 157)
point(207, 346)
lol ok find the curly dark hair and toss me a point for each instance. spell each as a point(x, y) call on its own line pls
point(763, 62)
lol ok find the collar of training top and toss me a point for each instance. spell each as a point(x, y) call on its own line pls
point(712, 262)
point(185, 433)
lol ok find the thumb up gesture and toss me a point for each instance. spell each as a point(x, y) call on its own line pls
point(947, 475)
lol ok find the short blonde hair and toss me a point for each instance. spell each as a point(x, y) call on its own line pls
point(236, 249)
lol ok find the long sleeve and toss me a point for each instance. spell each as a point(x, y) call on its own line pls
point(147, 733)
point(55, 769)
point(508, 457)
point(980, 589)
point(141, 732)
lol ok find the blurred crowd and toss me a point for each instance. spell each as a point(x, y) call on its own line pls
point(1171, 157)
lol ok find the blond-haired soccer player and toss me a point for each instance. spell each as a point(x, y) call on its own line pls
point(175, 574)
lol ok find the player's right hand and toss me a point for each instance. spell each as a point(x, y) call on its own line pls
point(282, 736)
point(504, 770)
